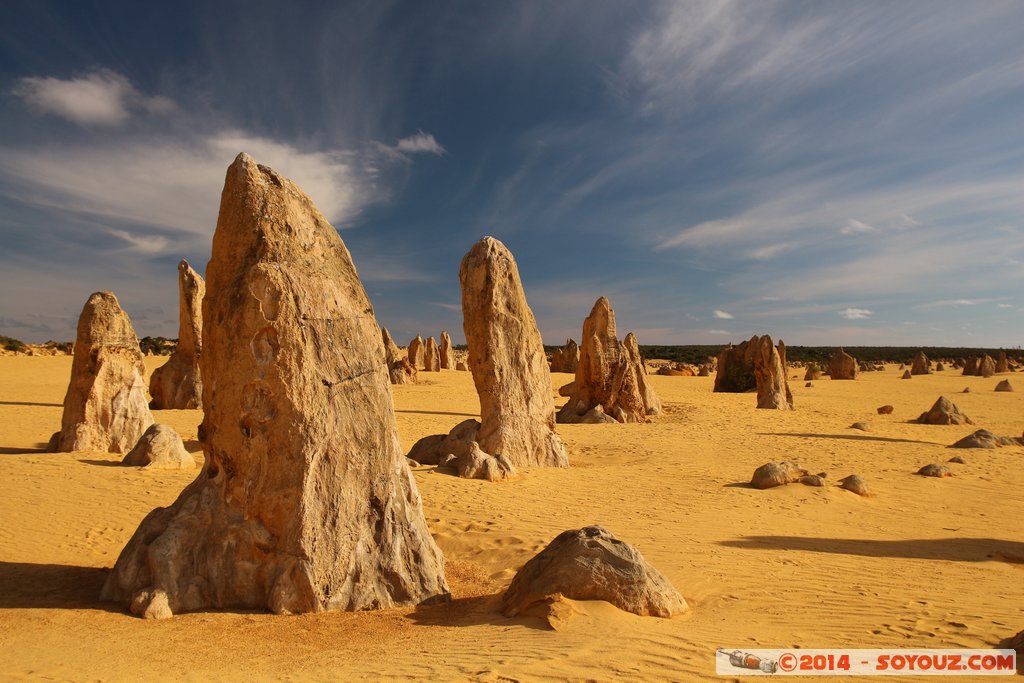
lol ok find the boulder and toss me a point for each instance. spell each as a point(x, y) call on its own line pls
point(462, 366)
point(1004, 385)
point(842, 365)
point(305, 502)
point(473, 463)
point(415, 352)
point(446, 357)
point(944, 412)
point(907, 374)
point(567, 358)
point(610, 373)
point(431, 356)
point(855, 484)
point(774, 474)
point(160, 448)
point(986, 439)
point(177, 384)
point(935, 470)
point(591, 564)
point(862, 426)
point(920, 366)
point(885, 410)
point(105, 407)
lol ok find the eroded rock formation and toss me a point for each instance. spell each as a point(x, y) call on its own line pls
point(447, 357)
point(431, 356)
point(400, 370)
point(160, 448)
point(920, 366)
point(944, 412)
point(567, 358)
point(305, 502)
point(177, 384)
point(842, 365)
point(415, 352)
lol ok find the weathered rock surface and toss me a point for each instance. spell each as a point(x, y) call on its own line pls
point(986, 439)
point(971, 366)
point(885, 410)
point(160, 448)
point(770, 374)
point(774, 474)
point(862, 426)
point(305, 502)
point(1004, 385)
point(567, 358)
point(935, 470)
point(431, 356)
point(944, 412)
point(920, 366)
point(591, 564)
point(400, 370)
point(736, 368)
point(1002, 365)
point(177, 384)
point(842, 365)
point(855, 484)
point(446, 357)
point(105, 407)
point(415, 352)
point(610, 373)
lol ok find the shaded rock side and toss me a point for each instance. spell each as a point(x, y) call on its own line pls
point(591, 564)
point(431, 356)
point(609, 374)
point(920, 366)
point(416, 352)
point(400, 370)
point(507, 360)
point(305, 502)
point(160, 448)
point(842, 365)
point(567, 358)
point(983, 438)
point(177, 384)
point(445, 352)
point(105, 407)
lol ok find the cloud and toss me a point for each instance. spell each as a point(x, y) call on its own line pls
point(768, 252)
point(100, 98)
point(719, 332)
point(420, 143)
point(1004, 305)
point(855, 227)
point(146, 244)
point(949, 302)
point(722, 315)
point(450, 307)
point(856, 314)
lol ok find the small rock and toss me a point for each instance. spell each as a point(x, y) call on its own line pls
point(862, 426)
point(958, 460)
point(935, 470)
point(1004, 386)
point(966, 390)
point(885, 410)
point(812, 480)
point(944, 412)
point(773, 474)
point(906, 375)
point(809, 385)
point(855, 484)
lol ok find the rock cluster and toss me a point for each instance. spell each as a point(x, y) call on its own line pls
point(105, 407)
point(177, 384)
point(305, 503)
point(567, 358)
point(610, 376)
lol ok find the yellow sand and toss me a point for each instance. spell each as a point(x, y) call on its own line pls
point(925, 563)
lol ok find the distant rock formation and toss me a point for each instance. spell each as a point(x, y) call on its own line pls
point(610, 374)
point(987, 366)
point(431, 356)
point(736, 368)
point(567, 358)
point(305, 503)
point(510, 371)
point(921, 366)
point(177, 384)
point(160, 448)
point(813, 373)
point(944, 412)
point(907, 374)
point(105, 407)
point(842, 365)
point(415, 353)
point(591, 564)
point(770, 373)
point(400, 370)
point(447, 358)
point(1002, 365)
point(971, 366)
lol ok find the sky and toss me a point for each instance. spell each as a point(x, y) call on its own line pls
point(825, 172)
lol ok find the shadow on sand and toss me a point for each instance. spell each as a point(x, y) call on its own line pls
point(29, 403)
point(436, 412)
point(52, 586)
point(481, 610)
point(951, 549)
point(850, 437)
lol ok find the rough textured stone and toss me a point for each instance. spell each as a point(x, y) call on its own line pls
point(935, 470)
point(770, 374)
point(415, 352)
point(958, 460)
point(591, 564)
point(987, 367)
point(610, 373)
point(921, 366)
point(885, 410)
point(462, 366)
point(473, 463)
point(944, 412)
point(305, 502)
point(986, 439)
point(567, 358)
point(105, 407)
point(177, 384)
point(446, 357)
point(862, 426)
point(812, 480)
point(842, 365)
point(971, 366)
point(774, 474)
point(906, 374)
point(855, 484)
point(735, 372)
point(1002, 365)
point(160, 448)
point(400, 370)
point(1004, 385)
point(431, 356)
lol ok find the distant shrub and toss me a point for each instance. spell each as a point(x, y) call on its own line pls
point(63, 347)
point(11, 344)
point(158, 346)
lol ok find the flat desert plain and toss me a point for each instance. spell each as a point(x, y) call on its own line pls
point(924, 563)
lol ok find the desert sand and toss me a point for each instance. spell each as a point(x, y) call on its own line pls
point(924, 563)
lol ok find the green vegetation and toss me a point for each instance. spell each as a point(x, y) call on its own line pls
point(158, 346)
point(11, 344)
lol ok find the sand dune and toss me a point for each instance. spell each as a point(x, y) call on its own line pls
point(924, 563)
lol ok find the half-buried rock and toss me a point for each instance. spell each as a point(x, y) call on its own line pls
point(160, 448)
point(610, 375)
point(944, 412)
point(510, 371)
point(305, 503)
point(177, 384)
point(591, 564)
point(105, 407)
point(1004, 385)
point(986, 439)
point(774, 474)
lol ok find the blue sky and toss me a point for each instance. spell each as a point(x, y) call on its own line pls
point(826, 172)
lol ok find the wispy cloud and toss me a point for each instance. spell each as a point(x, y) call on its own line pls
point(856, 314)
point(101, 98)
point(719, 332)
point(723, 315)
point(420, 143)
point(855, 227)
